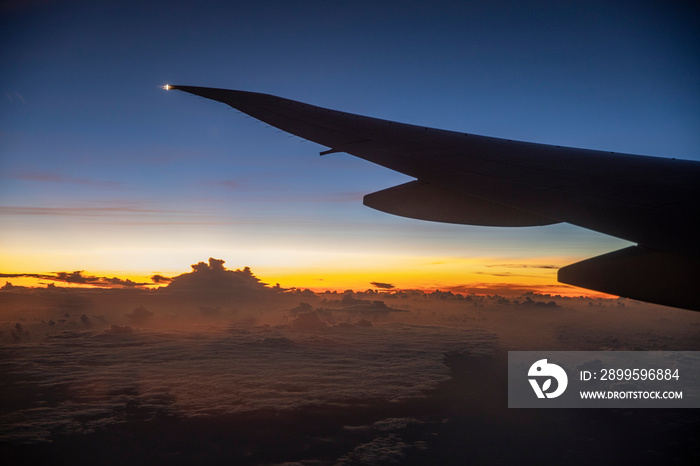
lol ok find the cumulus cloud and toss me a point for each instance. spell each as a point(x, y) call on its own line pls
point(308, 321)
point(205, 277)
point(352, 306)
point(214, 277)
point(19, 334)
point(85, 320)
point(139, 315)
point(528, 301)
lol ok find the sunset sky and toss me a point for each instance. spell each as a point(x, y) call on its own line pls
point(103, 171)
point(107, 180)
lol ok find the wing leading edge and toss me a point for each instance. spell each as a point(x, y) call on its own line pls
point(479, 180)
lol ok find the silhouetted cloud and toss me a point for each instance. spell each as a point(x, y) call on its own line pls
point(78, 278)
point(74, 277)
point(385, 286)
point(214, 277)
point(457, 288)
point(524, 266)
point(26, 275)
point(528, 301)
point(160, 279)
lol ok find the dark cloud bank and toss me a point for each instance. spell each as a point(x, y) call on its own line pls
point(219, 368)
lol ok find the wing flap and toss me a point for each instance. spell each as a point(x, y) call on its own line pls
point(424, 201)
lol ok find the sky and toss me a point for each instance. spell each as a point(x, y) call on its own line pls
point(103, 171)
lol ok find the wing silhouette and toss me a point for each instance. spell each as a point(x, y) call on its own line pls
point(478, 180)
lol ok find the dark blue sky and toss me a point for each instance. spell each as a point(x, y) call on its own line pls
point(103, 170)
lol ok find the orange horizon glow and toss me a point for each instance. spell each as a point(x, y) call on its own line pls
point(321, 282)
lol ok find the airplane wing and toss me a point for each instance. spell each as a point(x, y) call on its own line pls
point(478, 180)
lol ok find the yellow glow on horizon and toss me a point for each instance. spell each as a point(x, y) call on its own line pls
point(340, 281)
point(473, 275)
point(339, 272)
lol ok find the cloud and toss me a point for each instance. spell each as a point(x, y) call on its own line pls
point(77, 278)
point(210, 367)
point(139, 315)
point(308, 322)
point(512, 289)
point(19, 334)
point(26, 275)
point(391, 449)
point(102, 211)
point(524, 266)
point(228, 184)
point(74, 277)
point(395, 423)
point(48, 177)
point(203, 372)
point(160, 279)
point(456, 288)
point(85, 320)
point(213, 277)
point(121, 282)
point(12, 96)
point(119, 330)
point(346, 310)
point(531, 302)
point(386, 286)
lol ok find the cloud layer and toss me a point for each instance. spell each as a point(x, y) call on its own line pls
point(219, 344)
